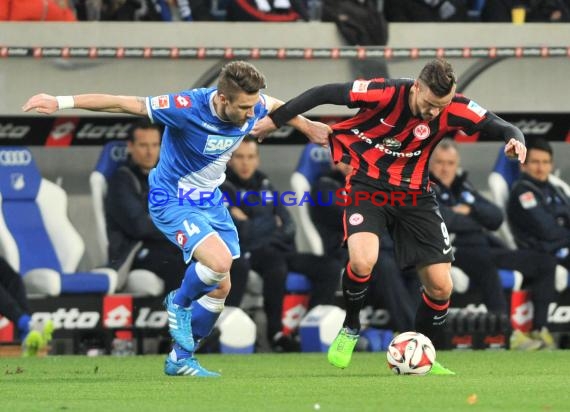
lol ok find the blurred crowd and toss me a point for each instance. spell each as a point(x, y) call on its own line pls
point(348, 13)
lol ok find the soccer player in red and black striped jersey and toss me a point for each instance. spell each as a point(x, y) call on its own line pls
point(388, 143)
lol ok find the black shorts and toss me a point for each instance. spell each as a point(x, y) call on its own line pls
point(412, 219)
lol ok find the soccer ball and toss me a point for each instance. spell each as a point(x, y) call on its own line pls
point(410, 353)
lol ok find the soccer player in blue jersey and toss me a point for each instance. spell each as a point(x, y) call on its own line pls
point(202, 129)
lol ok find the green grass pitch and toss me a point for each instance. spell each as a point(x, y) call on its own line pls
point(485, 381)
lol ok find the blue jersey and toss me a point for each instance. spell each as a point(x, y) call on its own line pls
point(196, 144)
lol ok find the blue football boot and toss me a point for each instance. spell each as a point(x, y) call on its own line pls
point(187, 367)
point(179, 323)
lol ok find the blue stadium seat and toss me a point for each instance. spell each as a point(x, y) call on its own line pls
point(315, 160)
point(297, 283)
point(139, 282)
point(505, 173)
point(113, 155)
point(36, 235)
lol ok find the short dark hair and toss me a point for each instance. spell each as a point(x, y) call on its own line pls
point(145, 124)
point(539, 143)
point(240, 76)
point(439, 76)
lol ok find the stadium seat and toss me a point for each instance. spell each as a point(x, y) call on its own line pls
point(510, 279)
point(504, 174)
point(314, 161)
point(111, 158)
point(37, 237)
point(138, 281)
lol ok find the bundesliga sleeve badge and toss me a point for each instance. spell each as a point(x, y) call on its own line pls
point(160, 102)
point(528, 200)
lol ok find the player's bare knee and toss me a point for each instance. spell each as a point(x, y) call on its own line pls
point(362, 267)
point(439, 292)
point(221, 266)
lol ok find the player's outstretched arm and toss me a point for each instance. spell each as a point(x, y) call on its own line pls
point(289, 112)
point(316, 132)
point(47, 104)
point(514, 138)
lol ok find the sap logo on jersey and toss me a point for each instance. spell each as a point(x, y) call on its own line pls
point(217, 144)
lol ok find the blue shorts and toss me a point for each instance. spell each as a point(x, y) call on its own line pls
point(187, 226)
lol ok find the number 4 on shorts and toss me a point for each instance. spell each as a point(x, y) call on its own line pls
point(191, 228)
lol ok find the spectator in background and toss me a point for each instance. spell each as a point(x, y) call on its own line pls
point(425, 10)
point(388, 282)
point(554, 11)
point(14, 306)
point(126, 209)
point(36, 10)
point(468, 217)
point(267, 241)
point(151, 10)
point(123, 10)
point(361, 23)
point(539, 211)
point(497, 11)
point(264, 10)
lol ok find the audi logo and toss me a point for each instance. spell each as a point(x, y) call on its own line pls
point(320, 155)
point(15, 157)
point(119, 153)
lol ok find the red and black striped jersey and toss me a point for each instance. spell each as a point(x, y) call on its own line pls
point(385, 143)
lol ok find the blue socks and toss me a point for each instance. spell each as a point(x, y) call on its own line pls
point(177, 353)
point(198, 281)
point(205, 313)
point(192, 285)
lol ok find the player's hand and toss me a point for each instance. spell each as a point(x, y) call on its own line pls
point(462, 209)
point(237, 213)
point(262, 128)
point(515, 150)
point(318, 133)
point(42, 103)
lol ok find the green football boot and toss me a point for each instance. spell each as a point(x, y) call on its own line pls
point(439, 369)
point(340, 351)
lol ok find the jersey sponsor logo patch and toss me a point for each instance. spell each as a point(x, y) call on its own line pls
point(160, 102)
point(360, 86)
point(391, 143)
point(422, 131)
point(383, 148)
point(528, 200)
point(355, 219)
point(217, 144)
point(475, 108)
point(181, 238)
point(182, 102)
